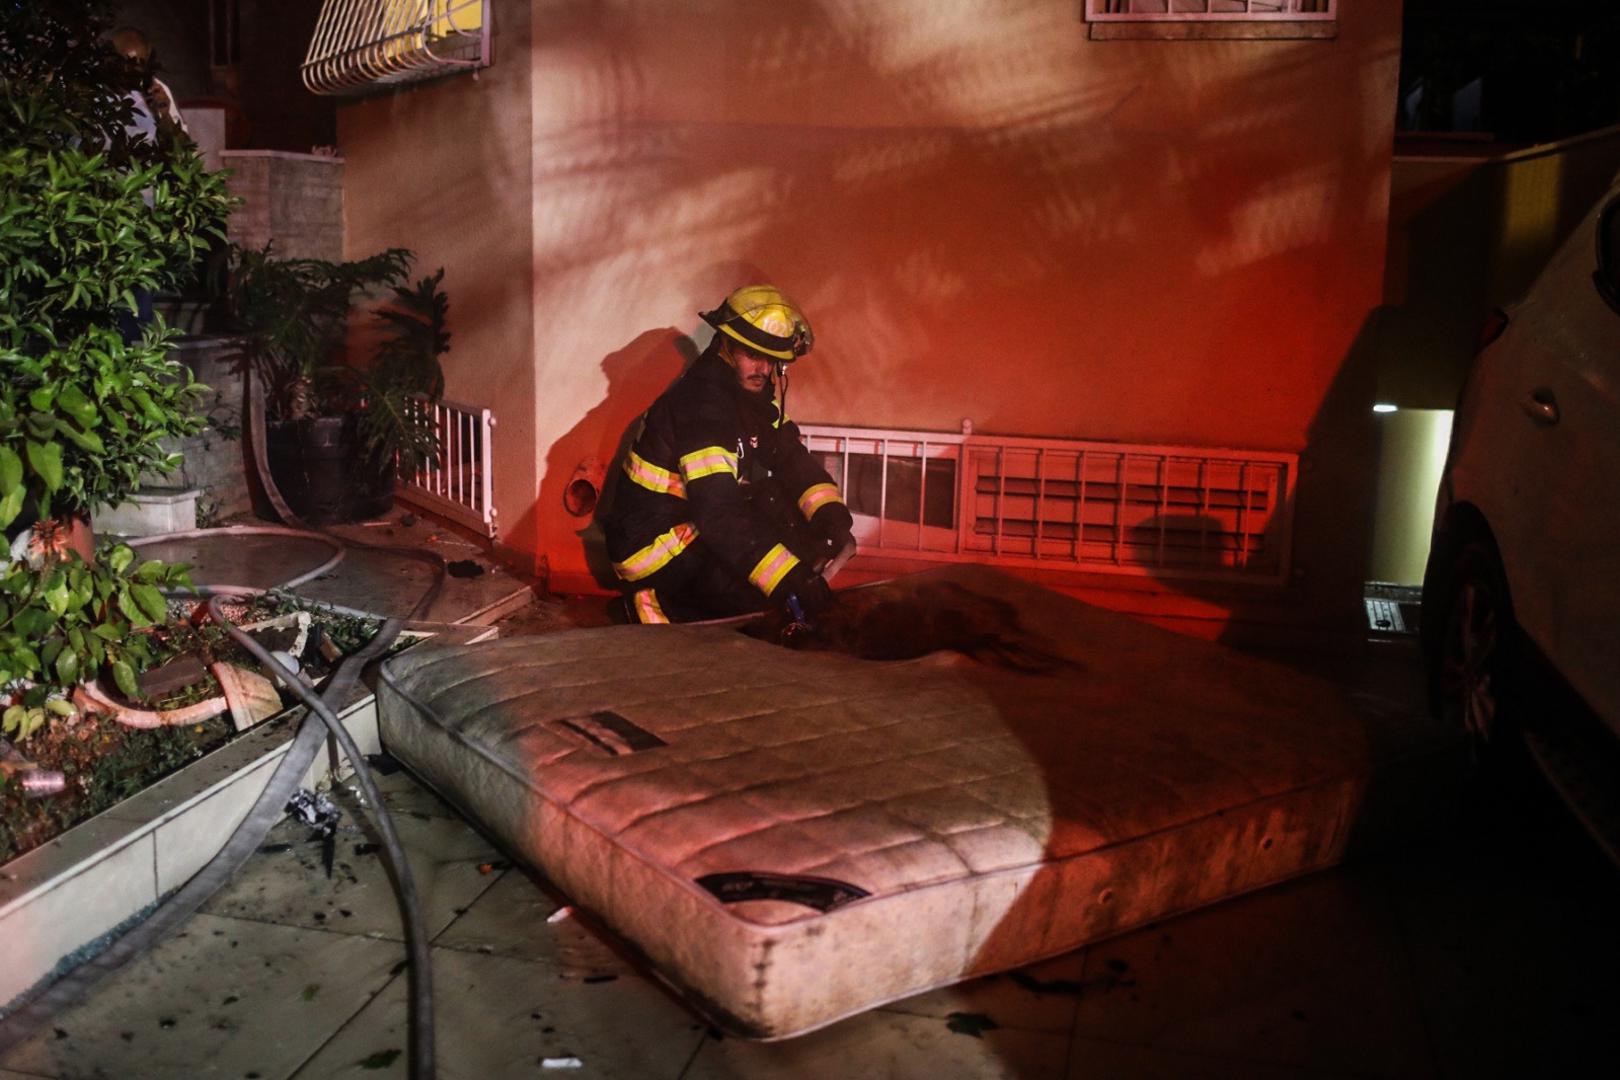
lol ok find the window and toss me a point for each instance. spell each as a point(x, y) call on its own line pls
point(1186, 10)
point(362, 46)
point(1180, 19)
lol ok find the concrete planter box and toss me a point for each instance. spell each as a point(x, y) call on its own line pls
point(79, 888)
point(150, 512)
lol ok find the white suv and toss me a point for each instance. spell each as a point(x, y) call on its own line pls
point(1521, 598)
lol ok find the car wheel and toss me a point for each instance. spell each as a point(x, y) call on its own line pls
point(1476, 668)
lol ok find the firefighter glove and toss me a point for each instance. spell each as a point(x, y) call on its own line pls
point(815, 597)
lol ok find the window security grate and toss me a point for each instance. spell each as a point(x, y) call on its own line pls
point(1096, 507)
point(361, 46)
point(1191, 10)
point(461, 483)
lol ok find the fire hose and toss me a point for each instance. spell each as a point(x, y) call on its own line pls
point(320, 721)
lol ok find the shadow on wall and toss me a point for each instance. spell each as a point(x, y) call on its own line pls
point(1128, 253)
point(583, 465)
point(1335, 485)
point(914, 285)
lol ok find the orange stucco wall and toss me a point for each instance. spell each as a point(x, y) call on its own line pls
point(985, 214)
point(443, 169)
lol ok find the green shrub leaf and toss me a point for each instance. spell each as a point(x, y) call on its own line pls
point(119, 558)
point(11, 470)
point(10, 505)
point(124, 676)
point(85, 440)
point(130, 609)
point(151, 601)
point(73, 402)
point(46, 461)
point(67, 666)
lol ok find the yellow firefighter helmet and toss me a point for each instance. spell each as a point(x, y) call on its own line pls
point(763, 319)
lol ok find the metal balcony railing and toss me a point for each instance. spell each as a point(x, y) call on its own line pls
point(460, 484)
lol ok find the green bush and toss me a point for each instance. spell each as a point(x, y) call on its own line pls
point(89, 217)
point(72, 619)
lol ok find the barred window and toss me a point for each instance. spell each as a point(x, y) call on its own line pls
point(1214, 10)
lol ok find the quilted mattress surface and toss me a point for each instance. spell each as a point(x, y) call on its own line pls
point(791, 837)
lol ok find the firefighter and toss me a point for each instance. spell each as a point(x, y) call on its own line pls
point(721, 510)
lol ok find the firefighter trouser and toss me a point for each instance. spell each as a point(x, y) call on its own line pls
point(697, 585)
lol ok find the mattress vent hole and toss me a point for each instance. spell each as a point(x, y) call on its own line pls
point(1106, 896)
point(606, 731)
point(819, 893)
point(1265, 843)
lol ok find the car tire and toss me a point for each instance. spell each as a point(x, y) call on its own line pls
point(1477, 674)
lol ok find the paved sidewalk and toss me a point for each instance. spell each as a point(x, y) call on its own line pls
point(1489, 951)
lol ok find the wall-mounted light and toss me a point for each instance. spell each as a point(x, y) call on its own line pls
point(1384, 406)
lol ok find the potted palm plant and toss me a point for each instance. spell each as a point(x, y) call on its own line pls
point(339, 418)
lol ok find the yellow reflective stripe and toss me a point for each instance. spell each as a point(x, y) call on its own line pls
point(707, 462)
point(816, 496)
point(654, 477)
point(646, 606)
point(656, 555)
point(769, 571)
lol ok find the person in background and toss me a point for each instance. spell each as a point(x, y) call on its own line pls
point(154, 116)
point(154, 102)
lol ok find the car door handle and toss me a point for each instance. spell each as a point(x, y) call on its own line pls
point(1541, 406)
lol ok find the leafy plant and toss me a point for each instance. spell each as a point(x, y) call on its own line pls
point(81, 422)
point(69, 620)
point(90, 216)
point(295, 317)
point(404, 371)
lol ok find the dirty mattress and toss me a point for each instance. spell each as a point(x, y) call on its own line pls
point(791, 837)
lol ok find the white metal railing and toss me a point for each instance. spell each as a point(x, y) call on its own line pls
point(1100, 507)
point(1194, 10)
point(460, 483)
point(363, 45)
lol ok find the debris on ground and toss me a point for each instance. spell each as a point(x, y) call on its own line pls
point(32, 780)
point(974, 1024)
point(314, 809)
point(1029, 982)
point(383, 763)
point(560, 914)
point(380, 1060)
point(561, 1063)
